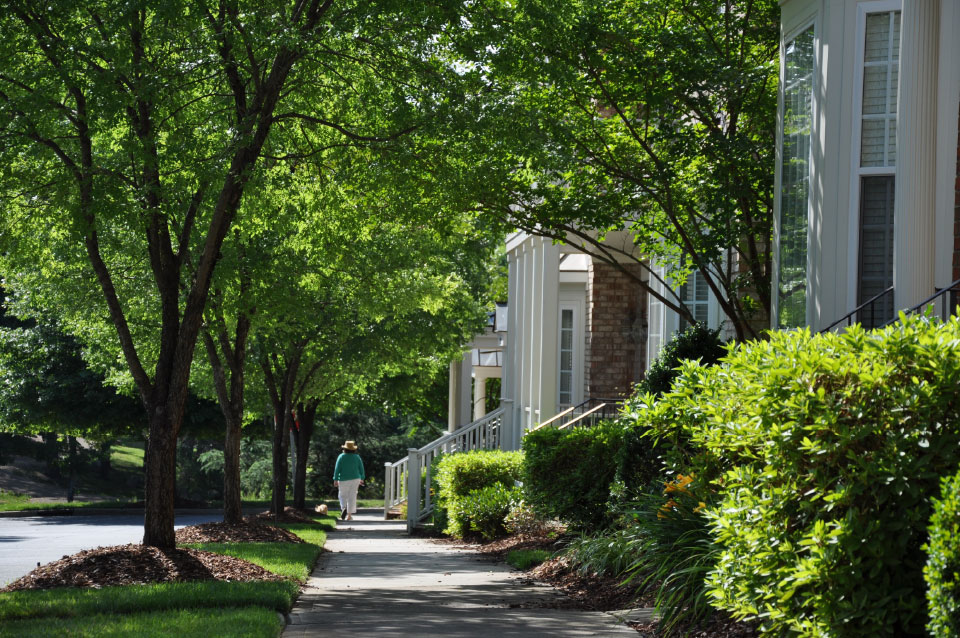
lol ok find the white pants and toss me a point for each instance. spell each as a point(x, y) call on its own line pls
point(348, 495)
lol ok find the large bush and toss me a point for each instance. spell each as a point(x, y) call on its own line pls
point(942, 571)
point(567, 473)
point(831, 448)
point(485, 510)
point(458, 475)
point(696, 343)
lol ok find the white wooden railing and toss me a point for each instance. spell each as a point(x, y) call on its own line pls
point(412, 473)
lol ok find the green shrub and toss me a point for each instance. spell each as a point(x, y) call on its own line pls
point(829, 450)
point(696, 342)
point(459, 474)
point(567, 473)
point(484, 511)
point(942, 571)
point(522, 519)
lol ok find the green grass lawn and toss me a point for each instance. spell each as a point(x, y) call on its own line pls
point(182, 609)
point(526, 558)
point(11, 502)
point(241, 621)
point(126, 457)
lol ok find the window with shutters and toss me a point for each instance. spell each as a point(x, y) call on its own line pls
point(876, 166)
point(794, 195)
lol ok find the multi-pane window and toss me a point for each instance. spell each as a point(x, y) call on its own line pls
point(696, 297)
point(655, 316)
point(794, 195)
point(567, 330)
point(877, 165)
point(881, 65)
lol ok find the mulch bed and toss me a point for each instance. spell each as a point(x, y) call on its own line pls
point(141, 565)
point(138, 565)
point(593, 592)
point(289, 515)
point(716, 628)
point(247, 532)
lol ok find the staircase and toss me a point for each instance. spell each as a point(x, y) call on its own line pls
point(585, 414)
point(412, 473)
point(878, 311)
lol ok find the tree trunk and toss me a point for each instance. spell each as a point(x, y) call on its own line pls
point(161, 471)
point(280, 449)
point(71, 467)
point(103, 457)
point(232, 504)
point(280, 380)
point(307, 415)
point(231, 402)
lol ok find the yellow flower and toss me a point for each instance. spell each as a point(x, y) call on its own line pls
point(699, 507)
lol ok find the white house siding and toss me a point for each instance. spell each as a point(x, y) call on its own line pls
point(925, 174)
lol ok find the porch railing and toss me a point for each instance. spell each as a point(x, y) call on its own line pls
point(411, 475)
point(586, 413)
point(872, 313)
point(947, 298)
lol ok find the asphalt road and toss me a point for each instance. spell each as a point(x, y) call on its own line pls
point(26, 541)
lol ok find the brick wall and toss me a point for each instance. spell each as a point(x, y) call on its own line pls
point(616, 331)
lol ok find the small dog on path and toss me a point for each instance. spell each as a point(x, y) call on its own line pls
point(321, 509)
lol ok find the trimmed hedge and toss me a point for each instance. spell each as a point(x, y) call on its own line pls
point(567, 473)
point(457, 475)
point(942, 571)
point(826, 451)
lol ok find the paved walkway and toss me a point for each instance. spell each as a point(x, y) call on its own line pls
point(377, 581)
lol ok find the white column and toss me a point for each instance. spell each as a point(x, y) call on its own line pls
point(523, 377)
point(414, 489)
point(466, 389)
point(549, 328)
point(915, 200)
point(453, 404)
point(479, 393)
point(949, 87)
point(510, 440)
point(536, 319)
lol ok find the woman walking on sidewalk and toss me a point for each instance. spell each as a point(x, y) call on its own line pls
point(348, 475)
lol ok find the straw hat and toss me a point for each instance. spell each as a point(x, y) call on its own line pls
point(349, 446)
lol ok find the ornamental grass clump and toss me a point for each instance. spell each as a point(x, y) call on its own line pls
point(827, 451)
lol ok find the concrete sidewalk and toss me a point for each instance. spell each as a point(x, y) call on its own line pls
point(377, 581)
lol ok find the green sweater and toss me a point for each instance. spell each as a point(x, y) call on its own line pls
point(349, 466)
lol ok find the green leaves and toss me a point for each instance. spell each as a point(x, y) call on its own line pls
point(825, 451)
point(655, 115)
point(477, 490)
point(942, 571)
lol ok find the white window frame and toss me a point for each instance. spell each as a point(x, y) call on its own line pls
point(812, 20)
point(576, 381)
point(858, 172)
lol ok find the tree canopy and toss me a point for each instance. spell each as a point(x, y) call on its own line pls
point(131, 133)
point(655, 116)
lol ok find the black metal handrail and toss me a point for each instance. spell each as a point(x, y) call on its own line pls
point(948, 302)
point(849, 317)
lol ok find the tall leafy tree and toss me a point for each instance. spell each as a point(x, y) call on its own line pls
point(655, 116)
point(131, 133)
